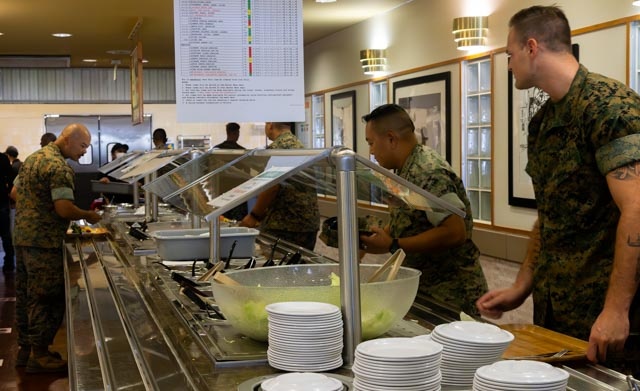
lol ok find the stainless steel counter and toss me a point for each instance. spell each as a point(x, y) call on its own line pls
point(130, 327)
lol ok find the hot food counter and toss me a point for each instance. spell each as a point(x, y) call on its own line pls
point(131, 327)
point(136, 321)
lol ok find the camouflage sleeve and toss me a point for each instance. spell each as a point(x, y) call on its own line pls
point(618, 153)
point(436, 218)
point(62, 183)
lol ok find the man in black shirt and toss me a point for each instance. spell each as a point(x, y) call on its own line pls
point(233, 133)
point(6, 183)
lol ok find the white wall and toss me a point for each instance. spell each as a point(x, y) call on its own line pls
point(21, 125)
point(418, 36)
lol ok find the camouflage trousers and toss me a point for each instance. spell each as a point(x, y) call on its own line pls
point(40, 299)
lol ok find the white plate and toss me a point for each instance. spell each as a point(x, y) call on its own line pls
point(476, 332)
point(305, 381)
point(305, 323)
point(302, 308)
point(394, 366)
point(515, 372)
point(399, 349)
point(296, 367)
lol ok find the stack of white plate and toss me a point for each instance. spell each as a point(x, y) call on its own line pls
point(302, 382)
point(520, 375)
point(388, 364)
point(304, 336)
point(467, 346)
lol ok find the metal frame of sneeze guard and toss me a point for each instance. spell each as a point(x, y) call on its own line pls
point(348, 168)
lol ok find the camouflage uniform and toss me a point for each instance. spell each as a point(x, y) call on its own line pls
point(39, 231)
point(453, 276)
point(572, 145)
point(293, 215)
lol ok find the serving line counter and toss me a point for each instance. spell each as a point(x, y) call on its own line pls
point(130, 327)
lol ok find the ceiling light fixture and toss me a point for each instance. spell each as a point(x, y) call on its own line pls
point(89, 60)
point(373, 61)
point(326, 1)
point(62, 35)
point(636, 3)
point(470, 32)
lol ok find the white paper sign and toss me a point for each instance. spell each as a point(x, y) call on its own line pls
point(239, 60)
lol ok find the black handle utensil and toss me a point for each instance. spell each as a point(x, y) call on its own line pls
point(295, 259)
point(284, 259)
point(233, 247)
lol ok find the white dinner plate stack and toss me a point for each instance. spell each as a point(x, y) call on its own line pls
point(304, 336)
point(514, 375)
point(389, 364)
point(467, 346)
point(305, 381)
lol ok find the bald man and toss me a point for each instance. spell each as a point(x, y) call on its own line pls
point(44, 207)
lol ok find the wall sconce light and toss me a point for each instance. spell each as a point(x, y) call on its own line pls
point(373, 61)
point(470, 32)
point(636, 3)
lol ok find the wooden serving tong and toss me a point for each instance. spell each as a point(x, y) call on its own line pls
point(396, 260)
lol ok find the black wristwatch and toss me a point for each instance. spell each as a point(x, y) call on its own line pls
point(395, 246)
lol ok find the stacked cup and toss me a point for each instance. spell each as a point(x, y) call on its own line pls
point(304, 336)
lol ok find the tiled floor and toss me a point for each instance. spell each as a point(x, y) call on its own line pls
point(16, 379)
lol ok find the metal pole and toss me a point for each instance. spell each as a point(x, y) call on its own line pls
point(150, 200)
point(214, 240)
point(348, 252)
point(196, 221)
point(136, 195)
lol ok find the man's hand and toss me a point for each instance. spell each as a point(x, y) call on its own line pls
point(494, 303)
point(248, 221)
point(608, 334)
point(93, 217)
point(377, 243)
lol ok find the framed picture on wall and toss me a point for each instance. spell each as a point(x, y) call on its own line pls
point(523, 104)
point(427, 99)
point(343, 119)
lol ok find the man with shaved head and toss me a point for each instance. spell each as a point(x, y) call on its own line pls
point(44, 207)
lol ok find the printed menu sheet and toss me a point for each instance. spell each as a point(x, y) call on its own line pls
point(239, 60)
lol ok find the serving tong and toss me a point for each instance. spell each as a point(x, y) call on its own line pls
point(396, 260)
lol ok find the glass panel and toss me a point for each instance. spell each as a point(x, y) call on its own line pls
point(472, 173)
point(485, 109)
point(475, 203)
point(485, 142)
point(241, 179)
point(485, 76)
point(472, 110)
point(472, 142)
point(485, 206)
point(472, 77)
point(485, 174)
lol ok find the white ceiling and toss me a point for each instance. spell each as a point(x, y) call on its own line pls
point(102, 26)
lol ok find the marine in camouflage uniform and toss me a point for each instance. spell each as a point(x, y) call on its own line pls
point(45, 178)
point(572, 145)
point(436, 242)
point(452, 276)
point(293, 214)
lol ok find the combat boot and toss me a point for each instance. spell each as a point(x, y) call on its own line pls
point(46, 364)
